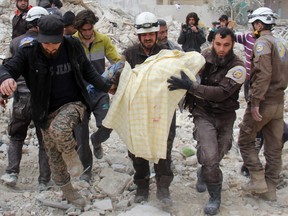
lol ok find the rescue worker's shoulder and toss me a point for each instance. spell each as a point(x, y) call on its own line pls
point(27, 42)
point(262, 47)
point(237, 73)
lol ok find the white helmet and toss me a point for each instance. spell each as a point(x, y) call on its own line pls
point(264, 14)
point(146, 22)
point(35, 13)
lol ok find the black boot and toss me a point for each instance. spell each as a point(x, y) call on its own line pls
point(214, 201)
point(163, 193)
point(200, 184)
point(142, 190)
point(97, 138)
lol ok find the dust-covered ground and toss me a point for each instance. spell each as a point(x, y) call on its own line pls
point(25, 198)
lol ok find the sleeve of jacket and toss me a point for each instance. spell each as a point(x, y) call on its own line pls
point(200, 36)
point(262, 72)
point(110, 51)
point(231, 83)
point(90, 74)
point(14, 67)
point(182, 37)
point(210, 36)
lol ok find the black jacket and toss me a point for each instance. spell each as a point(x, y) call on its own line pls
point(30, 62)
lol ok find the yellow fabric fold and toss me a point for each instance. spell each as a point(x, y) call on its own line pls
point(142, 108)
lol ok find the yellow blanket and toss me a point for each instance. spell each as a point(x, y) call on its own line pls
point(142, 108)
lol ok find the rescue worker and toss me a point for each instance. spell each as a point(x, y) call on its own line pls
point(18, 21)
point(191, 36)
point(212, 103)
point(21, 113)
point(147, 28)
point(55, 68)
point(264, 111)
point(97, 47)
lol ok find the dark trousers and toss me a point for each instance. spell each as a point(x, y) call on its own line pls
point(100, 105)
point(163, 168)
point(17, 129)
point(213, 133)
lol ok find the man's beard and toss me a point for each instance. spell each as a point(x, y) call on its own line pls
point(50, 55)
point(222, 61)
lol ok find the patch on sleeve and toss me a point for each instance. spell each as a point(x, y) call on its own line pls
point(281, 50)
point(237, 73)
point(26, 40)
point(261, 48)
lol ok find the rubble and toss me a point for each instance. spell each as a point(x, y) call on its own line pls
point(111, 190)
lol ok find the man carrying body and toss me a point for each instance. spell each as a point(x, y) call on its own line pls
point(147, 28)
point(55, 69)
point(213, 103)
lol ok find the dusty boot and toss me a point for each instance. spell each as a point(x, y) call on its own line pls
point(257, 183)
point(142, 190)
point(270, 195)
point(214, 201)
point(200, 184)
point(73, 196)
point(73, 163)
point(163, 193)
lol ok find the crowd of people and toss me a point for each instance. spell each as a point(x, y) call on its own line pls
point(55, 72)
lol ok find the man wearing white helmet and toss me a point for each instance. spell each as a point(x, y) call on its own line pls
point(147, 28)
point(21, 113)
point(269, 78)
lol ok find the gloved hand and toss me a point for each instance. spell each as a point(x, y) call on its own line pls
point(176, 83)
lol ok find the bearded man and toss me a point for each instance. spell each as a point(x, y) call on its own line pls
point(56, 70)
point(213, 103)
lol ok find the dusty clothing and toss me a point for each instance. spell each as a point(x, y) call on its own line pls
point(96, 53)
point(21, 118)
point(51, 82)
point(135, 55)
point(269, 79)
point(191, 41)
point(213, 105)
point(269, 71)
point(59, 137)
point(17, 130)
point(34, 61)
point(214, 143)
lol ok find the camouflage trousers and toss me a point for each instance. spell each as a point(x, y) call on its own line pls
point(58, 137)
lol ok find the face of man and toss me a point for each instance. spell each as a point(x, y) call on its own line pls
point(50, 49)
point(87, 31)
point(162, 34)
point(22, 5)
point(148, 40)
point(223, 23)
point(223, 47)
point(191, 21)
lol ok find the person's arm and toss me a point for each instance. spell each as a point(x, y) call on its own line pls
point(200, 36)
point(232, 82)
point(262, 73)
point(110, 51)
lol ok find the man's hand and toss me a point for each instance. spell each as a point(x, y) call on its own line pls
point(255, 114)
point(176, 83)
point(8, 86)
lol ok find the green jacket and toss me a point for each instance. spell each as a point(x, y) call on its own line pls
point(100, 48)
